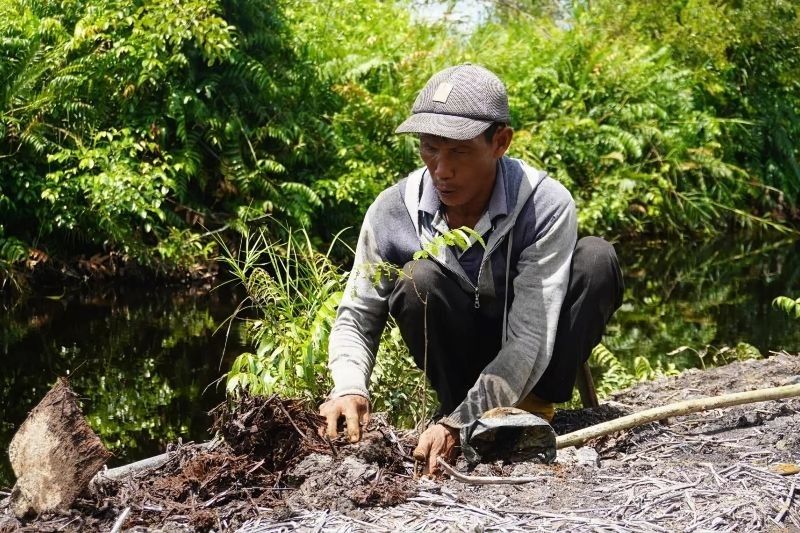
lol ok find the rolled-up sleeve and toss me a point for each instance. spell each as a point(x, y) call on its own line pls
point(361, 317)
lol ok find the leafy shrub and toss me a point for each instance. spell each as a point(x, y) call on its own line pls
point(294, 292)
point(617, 123)
point(613, 375)
point(135, 120)
point(742, 56)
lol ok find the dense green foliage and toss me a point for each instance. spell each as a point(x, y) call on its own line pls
point(141, 125)
point(130, 125)
point(743, 56)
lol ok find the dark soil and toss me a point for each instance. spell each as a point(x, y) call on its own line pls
point(272, 458)
point(708, 471)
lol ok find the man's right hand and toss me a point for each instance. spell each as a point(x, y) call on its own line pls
point(354, 409)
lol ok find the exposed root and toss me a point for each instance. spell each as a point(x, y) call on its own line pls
point(278, 432)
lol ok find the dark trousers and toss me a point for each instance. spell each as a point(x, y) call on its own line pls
point(462, 340)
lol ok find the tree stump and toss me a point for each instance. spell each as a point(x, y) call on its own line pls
point(54, 454)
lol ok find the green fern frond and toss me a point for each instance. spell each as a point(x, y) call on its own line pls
point(788, 305)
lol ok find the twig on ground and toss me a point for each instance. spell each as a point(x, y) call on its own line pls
point(121, 520)
point(331, 446)
point(289, 417)
point(788, 503)
point(396, 441)
point(487, 480)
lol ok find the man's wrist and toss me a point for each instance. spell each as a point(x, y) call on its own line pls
point(348, 378)
point(450, 423)
point(357, 391)
point(454, 432)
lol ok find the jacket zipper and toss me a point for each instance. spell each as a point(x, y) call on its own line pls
point(475, 286)
point(477, 294)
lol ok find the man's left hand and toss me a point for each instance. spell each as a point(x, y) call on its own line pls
point(436, 441)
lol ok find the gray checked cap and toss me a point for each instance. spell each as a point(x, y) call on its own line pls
point(459, 103)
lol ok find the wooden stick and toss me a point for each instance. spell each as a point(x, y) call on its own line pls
point(285, 412)
point(578, 438)
point(112, 474)
point(787, 504)
point(121, 520)
point(586, 386)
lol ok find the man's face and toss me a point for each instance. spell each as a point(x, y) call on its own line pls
point(463, 172)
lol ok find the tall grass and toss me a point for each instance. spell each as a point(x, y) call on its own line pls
point(292, 295)
point(293, 291)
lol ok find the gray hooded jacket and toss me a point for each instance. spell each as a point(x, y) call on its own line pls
point(526, 265)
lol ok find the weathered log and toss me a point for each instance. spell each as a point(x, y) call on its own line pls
point(54, 454)
point(578, 438)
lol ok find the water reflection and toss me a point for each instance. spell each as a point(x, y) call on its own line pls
point(705, 294)
point(139, 361)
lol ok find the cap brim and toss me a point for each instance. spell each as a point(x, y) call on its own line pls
point(447, 126)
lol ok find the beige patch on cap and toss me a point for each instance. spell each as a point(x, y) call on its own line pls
point(442, 92)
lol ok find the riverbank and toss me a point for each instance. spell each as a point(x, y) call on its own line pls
point(709, 471)
point(43, 274)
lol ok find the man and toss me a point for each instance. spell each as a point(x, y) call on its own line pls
point(507, 324)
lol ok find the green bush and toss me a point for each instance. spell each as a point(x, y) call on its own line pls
point(125, 123)
point(743, 59)
point(617, 122)
point(294, 292)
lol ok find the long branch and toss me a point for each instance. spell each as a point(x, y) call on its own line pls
point(577, 438)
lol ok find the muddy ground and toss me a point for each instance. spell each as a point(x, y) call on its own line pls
point(730, 469)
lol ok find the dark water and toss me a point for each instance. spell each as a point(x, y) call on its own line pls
point(141, 359)
point(705, 296)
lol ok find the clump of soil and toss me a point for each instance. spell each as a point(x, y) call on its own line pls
point(375, 471)
point(326, 474)
point(270, 458)
point(279, 433)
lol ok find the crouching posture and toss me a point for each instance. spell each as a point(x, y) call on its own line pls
point(503, 323)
